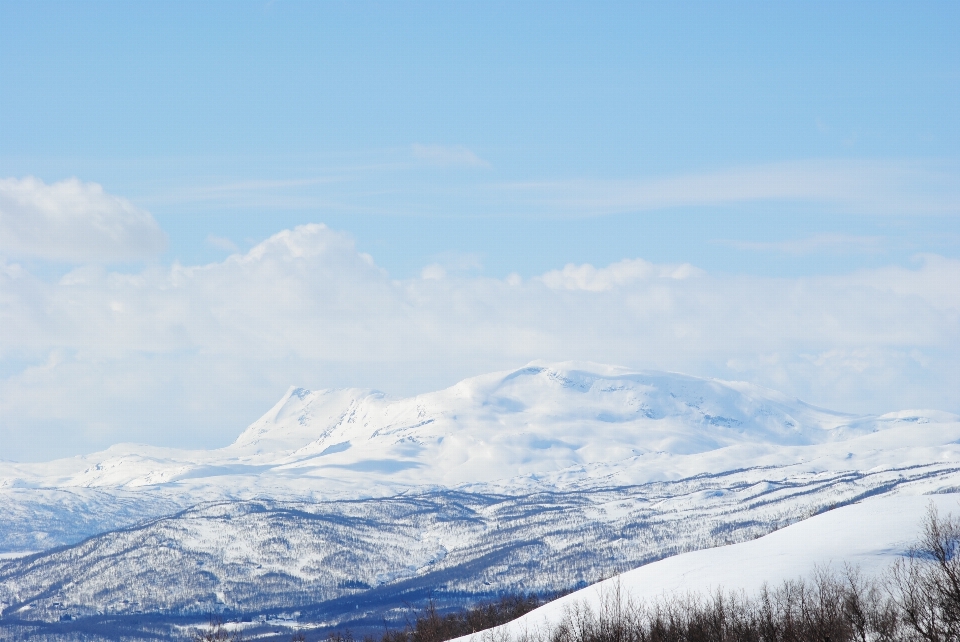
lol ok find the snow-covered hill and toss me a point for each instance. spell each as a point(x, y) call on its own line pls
point(543, 478)
point(869, 537)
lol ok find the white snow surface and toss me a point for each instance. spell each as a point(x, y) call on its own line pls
point(868, 536)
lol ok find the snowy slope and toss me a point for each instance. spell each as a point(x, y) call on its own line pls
point(869, 535)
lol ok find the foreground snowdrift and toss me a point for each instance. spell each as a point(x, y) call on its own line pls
point(870, 535)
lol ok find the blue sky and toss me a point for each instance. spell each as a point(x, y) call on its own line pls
point(310, 112)
point(780, 142)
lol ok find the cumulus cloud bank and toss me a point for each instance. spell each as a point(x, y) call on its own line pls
point(73, 221)
point(189, 355)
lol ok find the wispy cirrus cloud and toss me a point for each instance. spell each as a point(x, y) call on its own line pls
point(222, 243)
point(447, 156)
point(219, 191)
point(817, 244)
point(260, 184)
point(403, 182)
point(860, 187)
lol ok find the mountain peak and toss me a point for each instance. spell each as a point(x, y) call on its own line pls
point(534, 419)
point(293, 421)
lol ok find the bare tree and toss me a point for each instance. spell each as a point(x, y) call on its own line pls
point(926, 583)
point(217, 632)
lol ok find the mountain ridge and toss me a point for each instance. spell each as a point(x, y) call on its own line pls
point(529, 423)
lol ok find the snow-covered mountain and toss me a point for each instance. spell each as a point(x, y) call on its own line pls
point(539, 419)
point(343, 504)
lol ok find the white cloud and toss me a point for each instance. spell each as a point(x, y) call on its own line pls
point(451, 263)
point(433, 271)
point(73, 221)
point(447, 156)
point(587, 277)
point(189, 355)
